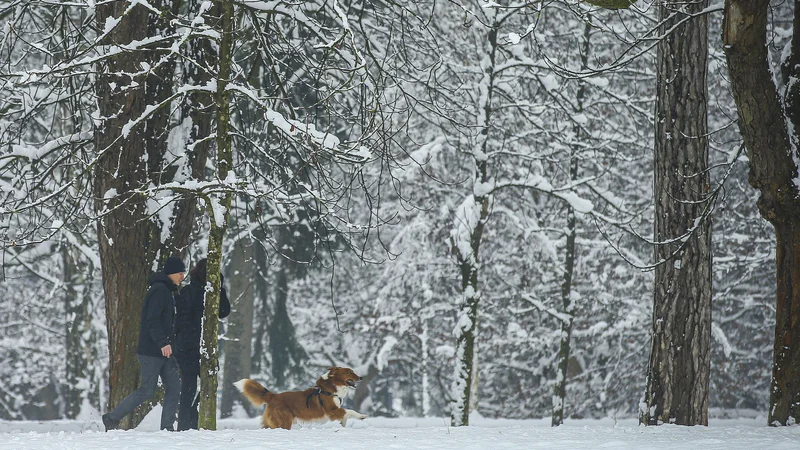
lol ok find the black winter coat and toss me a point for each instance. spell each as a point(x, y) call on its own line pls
point(188, 326)
point(158, 315)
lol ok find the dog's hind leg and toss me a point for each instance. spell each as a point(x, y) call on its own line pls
point(279, 418)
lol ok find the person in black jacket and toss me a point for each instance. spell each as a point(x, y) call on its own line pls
point(190, 309)
point(155, 348)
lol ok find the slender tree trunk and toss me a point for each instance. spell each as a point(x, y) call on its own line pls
point(767, 115)
point(678, 372)
point(263, 292)
point(78, 335)
point(287, 354)
point(281, 328)
point(566, 303)
point(466, 238)
point(240, 326)
point(219, 216)
point(569, 258)
point(426, 400)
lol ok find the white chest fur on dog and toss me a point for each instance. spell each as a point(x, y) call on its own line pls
point(339, 395)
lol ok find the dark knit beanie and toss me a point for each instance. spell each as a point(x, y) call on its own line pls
point(174, 265)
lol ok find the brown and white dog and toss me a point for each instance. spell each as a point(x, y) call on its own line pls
point(321, 403)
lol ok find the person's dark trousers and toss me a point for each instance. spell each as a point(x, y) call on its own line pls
point(152, 367)
point(187, 414)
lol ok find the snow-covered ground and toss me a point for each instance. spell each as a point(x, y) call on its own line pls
point(406, 433)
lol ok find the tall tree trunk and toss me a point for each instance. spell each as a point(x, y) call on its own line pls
point(125, 235)
point(769, 120)
point(219, 214)
point(466, 238)
point(569, 256)
point(132, 244)
point(678, 372)
point(240, 326)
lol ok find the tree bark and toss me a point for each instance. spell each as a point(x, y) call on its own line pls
point(131, 243)
point(678, 372)
point(219, 216)
point(466, 241)
point(569, 255)
point(240, 326)
point(125, 235)
point(287, 354)
point(767, 112)
point(79, 358)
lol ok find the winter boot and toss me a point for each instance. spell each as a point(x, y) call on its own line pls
point(110, 423)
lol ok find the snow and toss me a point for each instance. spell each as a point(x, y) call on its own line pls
point(406, 433)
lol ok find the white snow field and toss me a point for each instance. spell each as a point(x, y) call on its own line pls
point(405, 433)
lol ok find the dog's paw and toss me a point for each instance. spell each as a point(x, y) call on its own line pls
point(361, 416)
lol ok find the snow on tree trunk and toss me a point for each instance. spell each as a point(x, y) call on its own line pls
point(678, 372)
point(769, 120)
point(465, 239)
point(569, 258)
point(566, 302)
point(137, 232)
point(239, 332)
point(219, 214)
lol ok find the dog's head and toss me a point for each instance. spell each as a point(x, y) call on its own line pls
point(342, 376)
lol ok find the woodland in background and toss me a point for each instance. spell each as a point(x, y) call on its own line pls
point(408, 176)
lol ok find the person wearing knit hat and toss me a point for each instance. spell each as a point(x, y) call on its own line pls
point(174, 265)
point(155, 348)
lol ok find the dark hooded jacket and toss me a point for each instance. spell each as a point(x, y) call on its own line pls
point(158, 315)
point(190, 309)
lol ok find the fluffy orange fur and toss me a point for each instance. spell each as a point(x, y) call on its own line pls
point(320, 403)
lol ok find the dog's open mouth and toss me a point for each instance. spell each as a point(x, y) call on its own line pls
point(351, 383)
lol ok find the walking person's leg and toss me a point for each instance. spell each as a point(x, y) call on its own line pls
point(193, 411)
point(150, 368)
point(188, 391)
point(171, 379)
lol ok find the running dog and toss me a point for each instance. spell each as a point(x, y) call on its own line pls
point(321, 403)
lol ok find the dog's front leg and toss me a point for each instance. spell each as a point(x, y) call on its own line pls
point(342, 415)
point(350, 414)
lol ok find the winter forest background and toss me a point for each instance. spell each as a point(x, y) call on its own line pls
point(377, 152)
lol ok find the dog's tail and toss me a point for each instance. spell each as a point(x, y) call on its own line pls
point(256, 393)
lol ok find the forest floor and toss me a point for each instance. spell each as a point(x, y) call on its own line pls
point(404, 433)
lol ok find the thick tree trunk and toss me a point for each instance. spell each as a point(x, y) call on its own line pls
point(678, 372)
point(239, 333)
point(126, 237)
point(131, 243)
point(766, 114)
